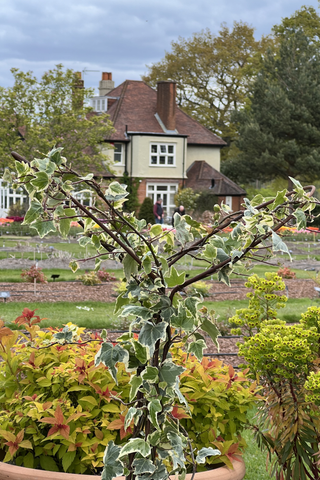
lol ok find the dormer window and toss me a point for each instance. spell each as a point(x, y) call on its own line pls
point(162, 154)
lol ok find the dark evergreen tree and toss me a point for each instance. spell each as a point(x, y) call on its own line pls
point(280, 128)
point(132, 204)
point(146, 211)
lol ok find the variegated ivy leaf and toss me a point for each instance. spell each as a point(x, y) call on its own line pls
point(83, 241)
point(197, 348)
point(206, 452)
point(150, 374)
point(136, 445)
point(34, 212)
point(257, 200)
point(160, 473)
point(182, 234)
point(135, 383)
point(120, 302)
point(44, 165)
point(137, 311)
point(279, 200)
point(115, 192)
point(169, 372)
point(143, 465)
point(211, 329)
point(74, 266)
point(155, 230)
point(210, 252)
point(222, 255)
point(150, 333)
point(130, 266)
point(41, 181)
point(132, 414)
point(250, 210)
point(64, 223)
point(182, 320)
point(55, 156)
point(191, 304)
point(7, 177)
point(154, 408)
point(110, 355)
point(174, 278)
point(43, 227)
point(224, 274)
point(176, 451)
point(301, 218)
point(298, 187)
point(236, 232)
point(278, 244)
point(113, 466)
point(21, 167)
point(180, 396)
point(147, 264)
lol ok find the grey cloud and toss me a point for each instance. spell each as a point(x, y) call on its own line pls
point(121, 36)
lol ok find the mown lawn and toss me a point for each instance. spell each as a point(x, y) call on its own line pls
point(102, 316)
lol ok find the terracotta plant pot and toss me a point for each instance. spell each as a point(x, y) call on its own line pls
point(12, 472)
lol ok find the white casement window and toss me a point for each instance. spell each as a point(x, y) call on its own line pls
point(9, 197)
point(118, 153)
point(162, 154)
point(228, 201)
point(165, 191)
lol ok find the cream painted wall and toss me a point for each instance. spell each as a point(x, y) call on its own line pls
point(210, 154)
point(141, 157)
point(141, 167)
point(117, 169)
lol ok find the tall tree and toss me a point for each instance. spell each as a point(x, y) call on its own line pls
point(280, 130)
point(37, 115)
point(305, 19)
point(212, 73)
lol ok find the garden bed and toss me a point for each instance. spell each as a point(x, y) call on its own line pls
point(76, 292)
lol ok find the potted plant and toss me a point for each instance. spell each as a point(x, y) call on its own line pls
point(159, 446)
point(286, 360)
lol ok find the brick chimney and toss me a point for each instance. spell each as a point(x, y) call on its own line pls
point(166, 103)
point(106, 84)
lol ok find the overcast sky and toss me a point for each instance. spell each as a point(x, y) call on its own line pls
point(118, 36)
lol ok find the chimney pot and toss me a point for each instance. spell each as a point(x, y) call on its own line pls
point(166, 103)
point(106, 84)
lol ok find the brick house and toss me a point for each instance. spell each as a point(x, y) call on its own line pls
point(158, 143)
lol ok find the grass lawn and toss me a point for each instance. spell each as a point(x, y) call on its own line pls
point(291, 312)
point(60, 313)
point(11, 275)
point(255, 460)
point(102, 316)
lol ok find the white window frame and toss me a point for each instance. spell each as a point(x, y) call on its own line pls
point(228, 201)
point(121, 154)
point(165, 154)
point(154, 194)
point(9, 196)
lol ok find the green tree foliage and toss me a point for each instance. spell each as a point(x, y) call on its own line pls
point(280, 132)
point(212, 73)
point(306, 19)
point(146, 211)
point(132, 204)
point(188, 198)
point(37, 115)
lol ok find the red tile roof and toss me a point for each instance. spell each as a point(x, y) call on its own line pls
point(136, 108)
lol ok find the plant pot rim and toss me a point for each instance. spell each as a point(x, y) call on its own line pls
point(13, 472)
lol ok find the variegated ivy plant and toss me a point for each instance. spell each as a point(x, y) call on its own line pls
point(159, 446)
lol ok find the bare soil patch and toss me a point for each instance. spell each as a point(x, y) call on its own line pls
point(76, 292)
